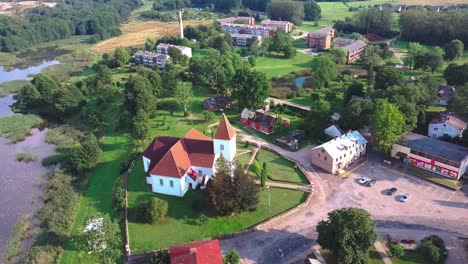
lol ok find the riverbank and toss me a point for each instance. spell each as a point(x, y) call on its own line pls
point(22, 182)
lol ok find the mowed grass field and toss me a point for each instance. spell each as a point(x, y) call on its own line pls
point(274, 66)
point(135, 34)
point(184, 215)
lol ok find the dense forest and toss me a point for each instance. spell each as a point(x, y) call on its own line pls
point(72, 17)
point(434, 28)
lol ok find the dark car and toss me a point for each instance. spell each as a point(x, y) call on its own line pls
point(391, 191)
point(371, 183)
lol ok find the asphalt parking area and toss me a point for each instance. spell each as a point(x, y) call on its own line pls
point(426, 199)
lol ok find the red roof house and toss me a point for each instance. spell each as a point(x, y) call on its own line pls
point(198, 252)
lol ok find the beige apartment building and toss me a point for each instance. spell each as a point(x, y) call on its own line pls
point(339, 152)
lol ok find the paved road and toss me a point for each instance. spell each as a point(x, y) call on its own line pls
point(430, 210)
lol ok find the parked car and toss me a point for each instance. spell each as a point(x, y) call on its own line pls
point(405, 197)
point(391, 191)
point(363, 180)
point(371, 183)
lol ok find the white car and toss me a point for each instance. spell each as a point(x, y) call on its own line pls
point(405, 197)
point(363, 180)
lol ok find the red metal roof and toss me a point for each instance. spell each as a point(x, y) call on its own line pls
point(198, 252)
point(172, 157)
point(224, 131)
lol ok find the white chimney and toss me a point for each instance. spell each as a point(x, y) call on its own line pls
point(181, 26)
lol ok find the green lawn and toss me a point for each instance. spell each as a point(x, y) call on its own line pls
point(452, 184)
point(410, 257)
point(279, 168)
point(274, 66)
point(183, 225)
point(97, 199)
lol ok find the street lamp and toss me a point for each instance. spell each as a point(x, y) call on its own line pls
point(282, 254)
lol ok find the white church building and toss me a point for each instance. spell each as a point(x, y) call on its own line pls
point(175, 165)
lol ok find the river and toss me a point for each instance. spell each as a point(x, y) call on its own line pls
point(21, 182)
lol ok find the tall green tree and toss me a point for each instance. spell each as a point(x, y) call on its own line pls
point(357, 114)
point(138, 95)
point(349, 233)
point(414, 50)
point(355, 88)
point(141, 128)
point(312, 11)
point(388, 124)
point(121, 57)
point(388, 76)
point(155, 210)
point(86, 155)
point(454, 49)
point(323, 71)
point(184, 94)
point(456, 74)
point(338, 55)
point(373, 20)
point(317, 119)
point(28, 96)
point(250, 87)
point(286, 10)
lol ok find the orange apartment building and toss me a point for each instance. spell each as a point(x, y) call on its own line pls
point(321, 39)
point(354, 48)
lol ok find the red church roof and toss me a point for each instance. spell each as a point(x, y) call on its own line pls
point(224, 131)
point(172, 157)
point(198, 252)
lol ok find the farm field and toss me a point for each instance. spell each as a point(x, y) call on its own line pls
point(184, 214)
point(135, 34)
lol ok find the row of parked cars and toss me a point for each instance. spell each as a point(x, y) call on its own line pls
point(370, 182)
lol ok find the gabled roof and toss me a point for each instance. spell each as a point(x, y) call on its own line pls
point(198, 252)
point(195, 134)
point(174, 163)
point(224, 131)
point(336, 147)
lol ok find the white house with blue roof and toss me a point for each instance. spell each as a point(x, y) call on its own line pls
point(339, 152)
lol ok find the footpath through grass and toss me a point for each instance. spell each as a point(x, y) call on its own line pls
point(279, 168)
point(183, 223)
point(452, 184)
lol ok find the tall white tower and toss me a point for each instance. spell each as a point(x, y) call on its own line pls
point(224, 141)
point(181, 25)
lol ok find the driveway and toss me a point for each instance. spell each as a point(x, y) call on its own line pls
point(430, 209)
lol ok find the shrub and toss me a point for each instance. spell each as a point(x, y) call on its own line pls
point(300, 91)
point(26, 157)
point(430, 251)
point(397, 250)
point(53, 159)
point(160, 257)
point(155, 210)
point(231, 257)
point(256, 168)
point(208, 116)
point(119, 199)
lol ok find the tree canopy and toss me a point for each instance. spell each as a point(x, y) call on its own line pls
point(286, 10)
point(349, 233)
point(323, 71)
point(388, 125)
point(250, 87)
